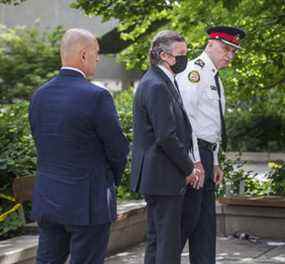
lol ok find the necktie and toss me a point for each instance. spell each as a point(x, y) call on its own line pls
point(185, 115)
point(224, 135)
point(176, 86)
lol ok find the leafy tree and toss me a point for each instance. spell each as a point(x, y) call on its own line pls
point(11, 2)
point(255, 84)
point(263, 20)
point(28, 58)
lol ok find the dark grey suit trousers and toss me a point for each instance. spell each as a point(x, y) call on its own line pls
point(164, 230)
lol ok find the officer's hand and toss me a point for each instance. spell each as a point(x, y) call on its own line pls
point(198, 165)
point(218, 175)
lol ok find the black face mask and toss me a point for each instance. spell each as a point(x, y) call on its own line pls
point(180, 64)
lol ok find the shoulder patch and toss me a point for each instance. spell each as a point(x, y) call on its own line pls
point(194, 76)
point(200, 63)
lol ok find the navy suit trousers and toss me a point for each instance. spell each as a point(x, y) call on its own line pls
point(199, 217)
point(85, 244)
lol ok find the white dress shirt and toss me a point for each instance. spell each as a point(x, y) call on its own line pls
point(201, 100)
point(167, 72)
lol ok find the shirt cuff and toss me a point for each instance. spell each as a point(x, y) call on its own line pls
point(195, 155)
point(216, 153)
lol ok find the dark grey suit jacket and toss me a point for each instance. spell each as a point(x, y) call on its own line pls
point(162, 137)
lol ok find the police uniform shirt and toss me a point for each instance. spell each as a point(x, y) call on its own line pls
point(201, 100)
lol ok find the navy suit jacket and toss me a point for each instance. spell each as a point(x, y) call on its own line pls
point(162, 137)
point(81, 151)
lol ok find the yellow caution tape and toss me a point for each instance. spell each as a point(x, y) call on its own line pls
point(15, 208)
point(10, 198)
point(12, 210)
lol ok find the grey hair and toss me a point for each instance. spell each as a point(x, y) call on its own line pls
point(163, 41)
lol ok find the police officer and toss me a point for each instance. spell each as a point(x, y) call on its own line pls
point(203, 97)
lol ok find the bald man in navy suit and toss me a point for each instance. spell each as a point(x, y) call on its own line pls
point(81, 156)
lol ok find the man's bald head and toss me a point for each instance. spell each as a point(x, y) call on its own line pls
point(79, 49)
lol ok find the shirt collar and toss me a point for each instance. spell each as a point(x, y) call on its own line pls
point(205, 57)
point(167, 72)
point(73, 69)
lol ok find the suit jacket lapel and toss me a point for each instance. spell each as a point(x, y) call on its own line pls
point(169, 85)
point(176, 95)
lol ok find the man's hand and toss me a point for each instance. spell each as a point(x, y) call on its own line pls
point(218, 175)
point(193, 178)
point(198, 165)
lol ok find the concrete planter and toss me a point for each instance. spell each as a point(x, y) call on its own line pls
point(260, 216)
point(256, 157)
point(129, 230)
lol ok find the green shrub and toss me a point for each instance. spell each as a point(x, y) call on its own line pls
point(124, 105)
point(28, 58)
point(237, 181)
point(11, 217)
point(277, 176)
point(256, 130)
point(17, 156)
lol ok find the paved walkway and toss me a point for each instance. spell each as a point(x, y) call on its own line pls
point(229, 251)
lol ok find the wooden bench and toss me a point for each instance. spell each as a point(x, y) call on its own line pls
point(23, 188)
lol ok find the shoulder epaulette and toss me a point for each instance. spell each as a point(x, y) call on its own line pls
point(200, 63)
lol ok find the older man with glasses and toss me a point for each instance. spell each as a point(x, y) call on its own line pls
point(203, 98)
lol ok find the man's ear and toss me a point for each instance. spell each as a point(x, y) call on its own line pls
point(83, 55)
point(163, 55)
point(210, 43)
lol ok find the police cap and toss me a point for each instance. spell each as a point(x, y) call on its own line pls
point(229, 35)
